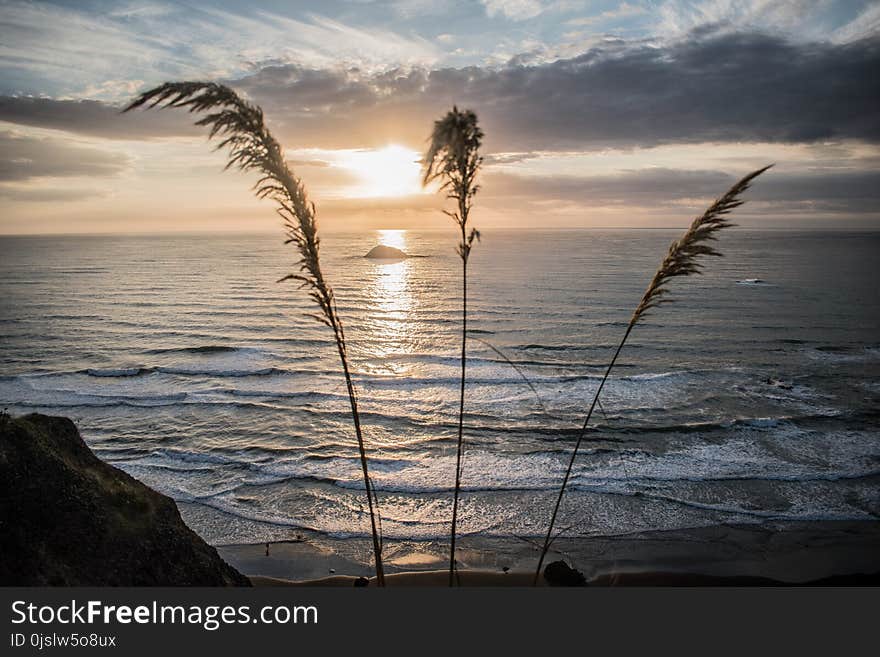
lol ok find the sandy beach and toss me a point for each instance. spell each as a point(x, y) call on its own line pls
point(837, 553)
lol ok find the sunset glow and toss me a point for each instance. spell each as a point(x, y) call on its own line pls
point(393, 238)
point(390, 171)
point(575, 130)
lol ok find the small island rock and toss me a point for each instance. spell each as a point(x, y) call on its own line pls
point(382, 252)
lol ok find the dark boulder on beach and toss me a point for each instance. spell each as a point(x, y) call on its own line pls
point(69, 519)
point(560, 573)
point(383, 252)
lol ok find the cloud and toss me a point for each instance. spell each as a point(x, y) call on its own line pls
point(640, 187)
point(25, 157)
point(742, 87)
point(624, 10)
point(718, 88)
point(806, 19)
point(848, 191)
point(75, 50)
point(48, 195)
point(865, 24)
point(518, 10)
point(95, 118)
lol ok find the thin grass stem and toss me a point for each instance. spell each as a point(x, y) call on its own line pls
point(453, 157)
point(242, 130)
point(681, 260)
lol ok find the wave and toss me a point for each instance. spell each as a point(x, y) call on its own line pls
point(275, 394)
point(372, 380)
point(455, 361)
point(127, 372)
point(477, 377)
point(230, 373)
point(105, 401)
point(495, 513)
point(606, 470)
point(482, 370)
point(765, 514)
point(180, 400)
point(564, 347)
point(116, 372)
point(639, 402)
point(124, 372)
point(844, 353)
point(202, 349)
point(647, 376)
point(611, 486)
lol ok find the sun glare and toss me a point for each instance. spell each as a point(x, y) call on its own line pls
point(395, 238)
point(390, 171)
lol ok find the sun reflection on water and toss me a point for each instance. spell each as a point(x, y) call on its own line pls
point(389, 289)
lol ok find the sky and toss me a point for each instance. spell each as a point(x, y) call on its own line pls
point(595, 113)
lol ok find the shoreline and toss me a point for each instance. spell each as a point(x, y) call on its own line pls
point(481, 578)
point(792, 553)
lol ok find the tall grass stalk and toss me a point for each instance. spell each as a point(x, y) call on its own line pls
point(454, 158)
point(241, 128)
point(681, 260)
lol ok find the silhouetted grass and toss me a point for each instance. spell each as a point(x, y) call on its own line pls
point(454, 158)
point(252, 147)
point(682, 259)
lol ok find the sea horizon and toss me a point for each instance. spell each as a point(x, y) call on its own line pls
point(334, 229)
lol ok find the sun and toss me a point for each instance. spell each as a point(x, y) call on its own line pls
point(390, 171)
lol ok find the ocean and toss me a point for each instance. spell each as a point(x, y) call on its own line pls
point(753, 398)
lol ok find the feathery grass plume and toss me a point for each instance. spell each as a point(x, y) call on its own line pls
point(681, 260)
point(454, 157)
point(241, 127)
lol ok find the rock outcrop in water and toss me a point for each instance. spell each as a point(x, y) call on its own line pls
point(383, 252)
point(69, 519)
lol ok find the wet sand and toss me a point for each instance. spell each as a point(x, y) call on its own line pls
point(843, 553)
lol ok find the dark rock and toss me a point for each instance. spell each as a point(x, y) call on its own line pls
point(560, 573)
point(383, 252)
point(69, 519)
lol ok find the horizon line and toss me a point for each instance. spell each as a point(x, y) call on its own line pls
point(525, 229)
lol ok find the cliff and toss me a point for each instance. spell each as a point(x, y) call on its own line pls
point(69, 519)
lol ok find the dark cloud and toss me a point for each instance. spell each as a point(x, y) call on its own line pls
point(639, 188)
point(741, 87)
point(857, 192)
point(509, 158)
point(22, 158)
point(93, 117)
point(734, 87)
point(834, 191)
point(48, 195)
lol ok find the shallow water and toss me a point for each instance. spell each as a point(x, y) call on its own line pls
point(186, 365)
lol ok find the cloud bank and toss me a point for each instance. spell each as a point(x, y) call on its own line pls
point(742, 87)
point(24, 157)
